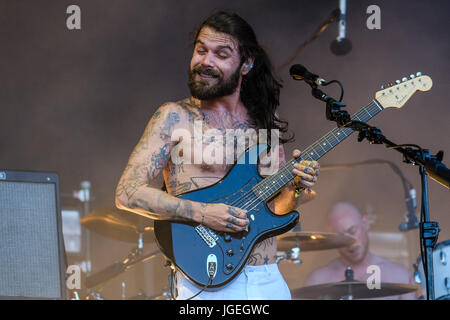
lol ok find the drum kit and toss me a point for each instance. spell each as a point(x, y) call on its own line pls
point(441, 268)
point(127, 227)
point(294, 241)
point(132, 228)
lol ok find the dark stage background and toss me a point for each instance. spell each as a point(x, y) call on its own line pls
point(77, 101)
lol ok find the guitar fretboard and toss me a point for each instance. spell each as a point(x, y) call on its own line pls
point(269, 186)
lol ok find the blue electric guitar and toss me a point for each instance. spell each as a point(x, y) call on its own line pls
point(211, 258)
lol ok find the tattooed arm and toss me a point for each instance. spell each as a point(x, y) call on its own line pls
point(148, 159)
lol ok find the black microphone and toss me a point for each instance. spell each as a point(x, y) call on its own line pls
point(410, 224)
point(341, 45)
point(411, 219)
point(299, 72)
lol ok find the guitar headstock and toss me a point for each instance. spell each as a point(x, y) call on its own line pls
point(396, 95)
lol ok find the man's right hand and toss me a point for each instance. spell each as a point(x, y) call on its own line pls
point(222, 217)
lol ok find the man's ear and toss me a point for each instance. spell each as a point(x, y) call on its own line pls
point(366, 222)
point(247, 66)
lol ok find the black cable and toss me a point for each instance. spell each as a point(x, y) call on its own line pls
point(334, 17)
point(211, 277)
point(424, 256)
point(406, 184)
point(340, 85)
point(405, 145)
point(422, 243)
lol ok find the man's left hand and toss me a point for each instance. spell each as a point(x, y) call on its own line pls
point(306, 171)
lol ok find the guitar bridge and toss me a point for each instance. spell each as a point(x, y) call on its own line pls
point(207, 235)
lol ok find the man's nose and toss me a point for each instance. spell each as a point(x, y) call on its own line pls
point(207, 60)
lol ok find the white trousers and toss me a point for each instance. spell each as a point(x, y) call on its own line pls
point(264, 282)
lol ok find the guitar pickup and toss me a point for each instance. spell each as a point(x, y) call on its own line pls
point(207, 235)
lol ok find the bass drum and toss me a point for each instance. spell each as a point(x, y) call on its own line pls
point(441, 268)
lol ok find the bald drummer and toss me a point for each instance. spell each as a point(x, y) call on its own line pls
point(344, 218)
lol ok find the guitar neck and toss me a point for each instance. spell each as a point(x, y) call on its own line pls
point(270, 186)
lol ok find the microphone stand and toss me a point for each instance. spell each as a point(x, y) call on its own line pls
point(334, 16)
point(429, 230)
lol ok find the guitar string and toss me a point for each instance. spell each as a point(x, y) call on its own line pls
point(243, 202)
point(271, 178)
point(248, 196)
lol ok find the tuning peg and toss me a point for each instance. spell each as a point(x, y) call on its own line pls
point(418, 74)
point(397, 81)
point(383, 87)
point(412, 76)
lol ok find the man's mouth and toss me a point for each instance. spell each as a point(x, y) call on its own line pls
point(206, 76)
point(352, 250)
point(206, 73)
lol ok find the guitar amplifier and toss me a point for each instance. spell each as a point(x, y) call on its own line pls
point(32, 257)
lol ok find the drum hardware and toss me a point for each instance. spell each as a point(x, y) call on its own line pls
point(293, 242)
point(94, 295)
point(350, 289)
point(120, 225)
point(164, 296)
point(441, 270)
point(292, 255)
point(134, 256)
point(312, 241)
point(349, 277)
point(123, 226)
point(83, 195)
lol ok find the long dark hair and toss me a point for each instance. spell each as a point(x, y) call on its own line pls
point(260, 90)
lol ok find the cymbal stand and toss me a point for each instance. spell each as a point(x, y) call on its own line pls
point(84, 196)
point(348, 278)
point(292, 255)
point(97, 281)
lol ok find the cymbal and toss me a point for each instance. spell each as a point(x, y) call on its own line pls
point(118, 267)
point(164, 296)
point(119, 224)
point(353, 289)
point(309, 241)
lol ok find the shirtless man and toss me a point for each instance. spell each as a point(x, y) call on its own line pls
point(344, 218)
point(232, 87)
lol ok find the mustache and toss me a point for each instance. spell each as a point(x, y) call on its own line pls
point(199, 69)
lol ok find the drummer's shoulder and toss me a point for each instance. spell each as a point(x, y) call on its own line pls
point(392, 267)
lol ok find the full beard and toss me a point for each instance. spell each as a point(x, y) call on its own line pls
point(202, 90)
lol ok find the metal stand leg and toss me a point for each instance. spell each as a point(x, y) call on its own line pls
point(429, 231)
